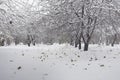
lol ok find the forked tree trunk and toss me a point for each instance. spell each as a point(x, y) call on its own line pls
point(86, 45)
point(79, 44)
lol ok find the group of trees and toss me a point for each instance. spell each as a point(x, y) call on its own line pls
point(86, 21)
point(71, 21)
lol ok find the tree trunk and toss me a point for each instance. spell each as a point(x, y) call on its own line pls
point(86, 46)
point(76, 44)
point(29, 44)
point(107, 42)
point(2, 42)
point(115, 37)
point(29, 40)
point(34, 43)
point(8, 42)
point(71, 42)
point(80, 43)
point(16, 40)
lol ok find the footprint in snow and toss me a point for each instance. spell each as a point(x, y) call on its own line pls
point(73, 64)
point(42, 53)
point(23, 54)
point(85, 68)
point(34, 68)
point(66, 64)
point(96, 59)
point(110, 50)
point(72, 60)
point(45, 74)
point(60, 57)
point(114, 57)
point(91, 59)
point(88, 64)
point(14, 72)
point(47, 56)
point(102, 65)
point(40, 57)
point(10, 60)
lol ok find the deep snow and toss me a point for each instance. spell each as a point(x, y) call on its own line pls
point(59, 62)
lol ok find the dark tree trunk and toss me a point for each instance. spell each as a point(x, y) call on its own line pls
point(16, 42)
point(33, 39)
point(29, 44)
point(29, 40)
point(115, 37)
point(80, 43)
point(34, 43)
point(107, 42)
point(76, 43)
point(71, 42)
point(86, 46)
point(112, 44)
point(2, 42)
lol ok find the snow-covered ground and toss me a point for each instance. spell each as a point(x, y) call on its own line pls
point(59, 62)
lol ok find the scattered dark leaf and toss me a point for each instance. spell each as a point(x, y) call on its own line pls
point(96, 59)
point(78, 56)
point(19, 67)
point(104, 57)
point(72, 60)
point(60, 57)
point(11, 22)
point(91, 58)
point(102, 65)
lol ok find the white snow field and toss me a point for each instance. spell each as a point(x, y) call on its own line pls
point(59, 62)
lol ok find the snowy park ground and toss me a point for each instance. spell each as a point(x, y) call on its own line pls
point(59, 62)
